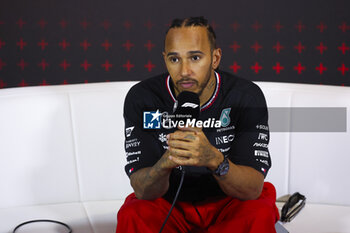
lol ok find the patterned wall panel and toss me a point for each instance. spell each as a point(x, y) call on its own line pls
point(64, 42)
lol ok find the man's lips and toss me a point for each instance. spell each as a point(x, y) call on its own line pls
point(187, 85)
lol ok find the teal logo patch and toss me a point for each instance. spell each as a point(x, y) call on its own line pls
point(225, 117)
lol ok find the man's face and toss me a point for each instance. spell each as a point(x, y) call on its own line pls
point(189, 59)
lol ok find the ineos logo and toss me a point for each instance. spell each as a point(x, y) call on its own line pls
point(224, 139)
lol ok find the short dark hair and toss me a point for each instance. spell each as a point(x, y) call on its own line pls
point(196, 21)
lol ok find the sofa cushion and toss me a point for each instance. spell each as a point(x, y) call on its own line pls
point(73, 214)
point(103, 215)
point(318, 218)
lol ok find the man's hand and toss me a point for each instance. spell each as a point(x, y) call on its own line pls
point(190, 147)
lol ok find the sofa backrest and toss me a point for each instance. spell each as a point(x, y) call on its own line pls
point(62, 144)
point(312, 163)
point(66, 144)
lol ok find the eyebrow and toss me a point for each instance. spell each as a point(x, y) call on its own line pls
point(190, 52)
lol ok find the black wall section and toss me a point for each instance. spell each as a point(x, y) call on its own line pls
point(58, 42)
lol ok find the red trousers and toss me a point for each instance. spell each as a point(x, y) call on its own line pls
point(215, 216)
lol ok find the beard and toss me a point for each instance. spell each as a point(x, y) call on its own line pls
point(201, 86)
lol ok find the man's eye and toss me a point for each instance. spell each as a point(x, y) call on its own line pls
point(174, 59)
point(195, 58)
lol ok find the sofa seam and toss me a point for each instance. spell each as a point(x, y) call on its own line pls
point(88, 216)
point(74, 146)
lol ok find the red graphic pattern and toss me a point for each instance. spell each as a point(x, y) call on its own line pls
point(235, 46)
point(42, 23)
point(106, 45)
point(107, 65)
point(235, 26)
point(64, 44)
point(322, 27)
point(321, 68)
point(86, 65)
point(256, 26)
point(127, 25)
point(106, 24)
point(22, 64)
point(43, 64)
point(2, 64)
point(23, 83)
point(343, 69)
point(278, 47)
point(65, 65)
point(343, 48)
point(149, 66)
point(299, 68)
point(42, 44)
point(149, 45)
point(321, 48)
point(84, 24)
point(149, 25)
point(23, 42)
point(128, 65)
point(344, 27)
point(278, 68)
point(300, 26)
point(235, 67)
point(299, 47)
point(256, 47)
point(85, 44)
point(278, 26)
point(63, 23)
point(128, 45)
point(256, 67)
point(2, 84)
point(20, 23)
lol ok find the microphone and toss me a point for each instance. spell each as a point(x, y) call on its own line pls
point(187, 106)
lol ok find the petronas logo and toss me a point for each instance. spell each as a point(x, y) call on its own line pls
point(225, 117)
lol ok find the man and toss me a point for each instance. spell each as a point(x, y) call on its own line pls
point(224, 189)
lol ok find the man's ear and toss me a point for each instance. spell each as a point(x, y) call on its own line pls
point(217, 53)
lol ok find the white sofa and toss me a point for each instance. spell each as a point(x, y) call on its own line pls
point(62, 157)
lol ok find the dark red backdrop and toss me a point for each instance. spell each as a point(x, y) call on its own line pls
point(59, 42)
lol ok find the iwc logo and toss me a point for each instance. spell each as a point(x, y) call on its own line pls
point(225, 117)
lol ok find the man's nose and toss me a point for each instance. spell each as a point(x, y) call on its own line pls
point(185, 69)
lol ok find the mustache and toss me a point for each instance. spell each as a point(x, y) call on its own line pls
point(186, 79)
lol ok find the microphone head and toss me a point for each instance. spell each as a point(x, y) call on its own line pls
point(187, 105)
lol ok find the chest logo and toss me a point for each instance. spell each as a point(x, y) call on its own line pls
point(225, 117)
point(162, 137)
point(224, 139)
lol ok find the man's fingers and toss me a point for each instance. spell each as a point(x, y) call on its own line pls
point(179, 152)
point(182, 135)
point(182, 161)
point(179, 144)
point(190, 129)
